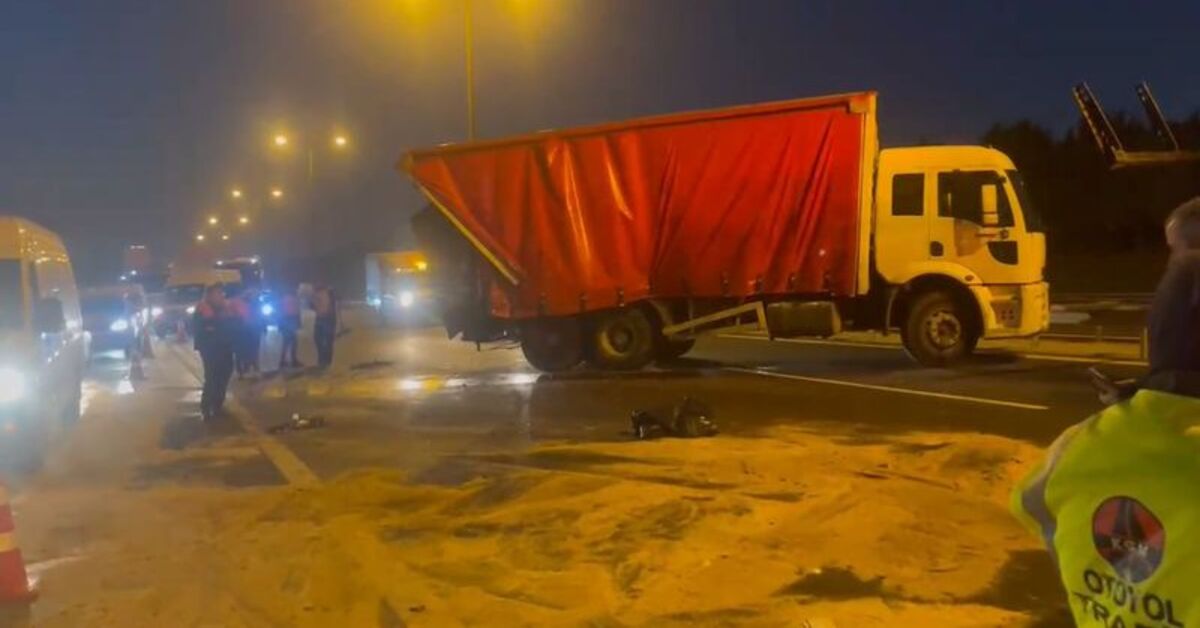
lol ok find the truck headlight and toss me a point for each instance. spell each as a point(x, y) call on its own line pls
point(191, 309)
point(12, 384)
point(267, 309)
point(407, 298)
point(119, 325)
point(156, 311)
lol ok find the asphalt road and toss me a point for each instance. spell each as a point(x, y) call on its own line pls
point(444, 412)
point(408, 397)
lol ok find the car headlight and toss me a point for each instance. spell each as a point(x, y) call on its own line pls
point(191, 309)
point(156, 311)
point(267, 309)
point(119, 325)
point(407, 298)
point(12, 384)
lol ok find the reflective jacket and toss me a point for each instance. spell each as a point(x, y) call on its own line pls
point(1117, 502)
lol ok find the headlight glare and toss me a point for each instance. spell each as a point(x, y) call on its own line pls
point(407, 298)
point(119, 325)
point(12, 384)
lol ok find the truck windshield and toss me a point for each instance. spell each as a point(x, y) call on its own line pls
point(1033, 220)
point(11, 299)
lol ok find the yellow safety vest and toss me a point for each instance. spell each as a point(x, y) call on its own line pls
point(1117, 501)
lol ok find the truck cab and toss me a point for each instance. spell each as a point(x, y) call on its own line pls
point(960, 248)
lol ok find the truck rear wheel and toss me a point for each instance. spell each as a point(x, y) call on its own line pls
point(622, 339)
point(552, 344)
point(939, 330)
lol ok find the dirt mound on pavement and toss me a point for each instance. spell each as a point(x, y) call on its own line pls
point(764, 531)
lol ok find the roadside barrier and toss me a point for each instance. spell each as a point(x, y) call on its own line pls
point(15, 586)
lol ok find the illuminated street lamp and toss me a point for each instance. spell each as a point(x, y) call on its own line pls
point(225, 237)
point(213, 220)
point(243, 220)
point(276, 193)
point(340, 141)
point(281, 140)
point(236, 193)
point(199, 237)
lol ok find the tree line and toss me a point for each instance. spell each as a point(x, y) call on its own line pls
point(1087, 207)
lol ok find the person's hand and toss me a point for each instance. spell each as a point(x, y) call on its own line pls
point(1106, 389)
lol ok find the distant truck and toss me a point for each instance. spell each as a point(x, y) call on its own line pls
point(184, 290)
point(398, 284)
point(619, 243)
point(249, 268)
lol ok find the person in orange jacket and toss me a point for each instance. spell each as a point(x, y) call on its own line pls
point(324, 305)
point(289, 326)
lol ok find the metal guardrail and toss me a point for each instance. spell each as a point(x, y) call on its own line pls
point(1095, 297)
point(1142, 340)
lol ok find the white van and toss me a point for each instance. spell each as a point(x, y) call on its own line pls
point(43, 347)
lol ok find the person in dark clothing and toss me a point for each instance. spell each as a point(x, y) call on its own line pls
point(324, 305)
point(289, 326)
point(216, 327)
point(252, 333)
point(1173, 322)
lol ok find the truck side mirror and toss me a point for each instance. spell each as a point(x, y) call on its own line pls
point(48, 316)
point(990, 203)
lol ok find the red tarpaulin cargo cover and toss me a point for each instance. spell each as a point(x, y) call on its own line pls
point(737, 202)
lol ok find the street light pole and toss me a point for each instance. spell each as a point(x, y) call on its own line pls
point(470, 70)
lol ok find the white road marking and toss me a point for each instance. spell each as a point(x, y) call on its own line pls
point(290, 466)
point(1082, 360)
point(891, 389)
point(894, 347)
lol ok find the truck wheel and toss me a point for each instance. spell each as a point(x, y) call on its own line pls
point(552, 344)
point(622, 339)
point(938, 330)
point(673, 349)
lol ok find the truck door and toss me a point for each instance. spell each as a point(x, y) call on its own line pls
point(975, 226)
point(905, 201)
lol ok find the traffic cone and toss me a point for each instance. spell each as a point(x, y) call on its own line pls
point(15, 586)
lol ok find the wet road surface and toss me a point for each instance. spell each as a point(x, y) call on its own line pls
point(406, 397)
point(445, 414)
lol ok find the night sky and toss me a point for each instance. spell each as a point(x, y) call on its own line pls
point(127, 120)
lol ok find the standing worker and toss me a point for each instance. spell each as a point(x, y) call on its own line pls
point(1116, 503)
point(256, 326)
point(289, 326)
point(215, 326)
point(239, 309)
point(1116, 500)
point(1173, 321)
point(324, 305)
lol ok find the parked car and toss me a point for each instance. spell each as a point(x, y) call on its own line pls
point(114, 316)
